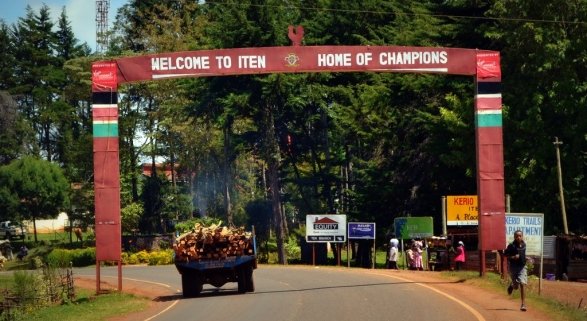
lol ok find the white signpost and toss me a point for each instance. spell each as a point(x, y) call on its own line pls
point(326, 228)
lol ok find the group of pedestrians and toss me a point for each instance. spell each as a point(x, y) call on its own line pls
point(414, 251)
point(413, 254)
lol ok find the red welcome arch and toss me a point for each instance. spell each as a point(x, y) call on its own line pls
point(483, 65)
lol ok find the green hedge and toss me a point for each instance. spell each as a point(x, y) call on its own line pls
point(87, 256)
point(160, 257)
point(77, 257)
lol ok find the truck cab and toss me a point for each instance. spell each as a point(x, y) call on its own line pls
point(10, 230)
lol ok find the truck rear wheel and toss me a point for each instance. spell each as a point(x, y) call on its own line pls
point(249, 280)
point(241, 280)
point(245, 279)
point(191, 284)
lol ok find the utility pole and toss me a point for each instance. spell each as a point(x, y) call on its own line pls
point(557, 143)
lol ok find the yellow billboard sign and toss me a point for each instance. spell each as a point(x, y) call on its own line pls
point(462, 210)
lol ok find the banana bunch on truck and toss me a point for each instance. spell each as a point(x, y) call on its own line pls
point(213, 242)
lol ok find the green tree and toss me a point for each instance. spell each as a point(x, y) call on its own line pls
point(150, 108)
point(7, 59)
point(544, 51)
point(16, 136)
point(66, 44)
point(152, 220)
point(242, 24)
point(130, 217)
point(32, 188)
point(75, 139)
point(36, 72)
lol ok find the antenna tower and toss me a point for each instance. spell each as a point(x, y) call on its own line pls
point(102, 25)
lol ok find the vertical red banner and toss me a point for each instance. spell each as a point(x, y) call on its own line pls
point(106, 161)
point(489, 152)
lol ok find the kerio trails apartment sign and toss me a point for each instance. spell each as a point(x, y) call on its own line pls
point(326, 228)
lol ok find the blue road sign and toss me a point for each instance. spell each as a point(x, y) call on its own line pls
point(361, 231)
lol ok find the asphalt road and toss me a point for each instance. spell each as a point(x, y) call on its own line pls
point(302, 293)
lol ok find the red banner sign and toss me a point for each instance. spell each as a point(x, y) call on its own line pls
point(104, 77)
point(488, 65)
point(298, 59)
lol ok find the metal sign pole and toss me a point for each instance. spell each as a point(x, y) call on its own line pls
point(348, 258)
point(374, 254)
point(541, 259)
point(403, 254)
point(443, 200)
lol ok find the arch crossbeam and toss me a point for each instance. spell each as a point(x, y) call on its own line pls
point(297, 59)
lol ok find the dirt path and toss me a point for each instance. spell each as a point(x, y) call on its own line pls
point(493, 306)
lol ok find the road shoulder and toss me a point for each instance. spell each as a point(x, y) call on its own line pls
point(160, 297)
point(491, 305)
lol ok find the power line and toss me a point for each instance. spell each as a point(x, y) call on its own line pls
point(404, 13)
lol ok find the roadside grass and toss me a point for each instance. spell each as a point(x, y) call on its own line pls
point(555, 310)
point(86, 305)
point(6, 281)
point(89, 307)
point(57, 237)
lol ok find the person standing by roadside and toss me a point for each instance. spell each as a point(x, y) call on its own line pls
point(393, 253)
point(417, 249)
point(516, 254)
point(410, 257)
point(460, 256)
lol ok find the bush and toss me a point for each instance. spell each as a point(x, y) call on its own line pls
point(85, 257)
point(142, 256)
point(78, 257)
point(35, 263)
point(29, 288)
point(161, 257)
point(294, 252)
point(34, 290)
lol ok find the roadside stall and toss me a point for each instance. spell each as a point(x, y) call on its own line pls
point(438, 253)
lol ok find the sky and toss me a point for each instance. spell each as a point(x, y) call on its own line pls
point(81, 14)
